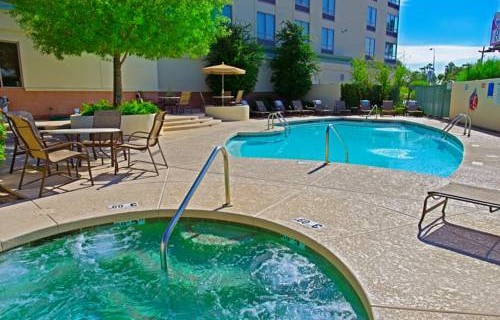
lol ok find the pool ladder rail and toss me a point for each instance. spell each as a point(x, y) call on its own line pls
point(374, 108)
point(278, 116)
point(461, 116)
point(331, 127)
point(189, 195)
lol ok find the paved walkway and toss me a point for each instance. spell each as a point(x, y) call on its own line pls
point(369, 214)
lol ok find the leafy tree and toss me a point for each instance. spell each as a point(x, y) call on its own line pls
point(360, 75)
point(383, 79)
point(294, 62)
point(236, 48)
point(117, 29)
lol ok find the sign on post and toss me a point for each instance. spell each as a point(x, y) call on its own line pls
point(495, 31)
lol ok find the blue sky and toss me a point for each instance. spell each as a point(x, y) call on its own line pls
point(457, 29)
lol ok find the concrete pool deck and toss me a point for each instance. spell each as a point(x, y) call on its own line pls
point(369, 214)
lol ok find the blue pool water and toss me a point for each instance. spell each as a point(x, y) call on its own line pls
point(216, 271)
point(395, 145)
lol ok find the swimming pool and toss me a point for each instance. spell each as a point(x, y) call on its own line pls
point(216, 271)
point(387, 144)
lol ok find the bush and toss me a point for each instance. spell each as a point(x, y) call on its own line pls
point(135, 107)
point(489, 69)
point(350, 93)
point(89, 109)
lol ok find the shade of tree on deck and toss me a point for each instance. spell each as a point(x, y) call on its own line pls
point(117, 29)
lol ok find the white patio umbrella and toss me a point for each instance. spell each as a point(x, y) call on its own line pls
point(223, 70)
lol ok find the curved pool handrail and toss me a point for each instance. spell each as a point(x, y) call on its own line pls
point(189, 195)
point(327, 143)
point(467, 123)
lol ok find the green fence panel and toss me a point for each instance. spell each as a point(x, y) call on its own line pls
point(435, 100)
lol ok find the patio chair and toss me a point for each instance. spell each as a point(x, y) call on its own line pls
point(104, 119)
point(321, 109)
point(297, 106)
point(388, 107)
point(340, 108)
point(144, 141)
point(183, 103)
point(19, 148)
point(261, 109)
point(238, 98)
point(279, 106)
point(365, 106)
point(412, 108)
point(35, 148)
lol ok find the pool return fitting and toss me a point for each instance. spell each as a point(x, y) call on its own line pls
point(189, 195)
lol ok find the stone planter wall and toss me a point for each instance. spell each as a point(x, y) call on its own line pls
point(130, 123)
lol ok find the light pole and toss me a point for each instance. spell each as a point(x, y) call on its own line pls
point(433, 62)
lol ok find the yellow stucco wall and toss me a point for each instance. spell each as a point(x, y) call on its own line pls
point(88, 72)
point(487, 113)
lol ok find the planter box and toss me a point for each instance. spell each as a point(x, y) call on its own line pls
point(130, 123)
point(232, 113)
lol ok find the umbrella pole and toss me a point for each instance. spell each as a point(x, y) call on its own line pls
point(222, 90)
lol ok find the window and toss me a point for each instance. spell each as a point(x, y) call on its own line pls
point(392, 25)
point(394, 4)
point(10, 72)
point(390, 52)
point(329, 9)
point(268, 1)
point(302, 5)
point(227, 11)
point(304, 25)
point(265, 28)
point(371, 19)
point(327, 40)
point(369, 48)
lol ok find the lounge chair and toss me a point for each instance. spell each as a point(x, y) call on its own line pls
point(412, 108)
point(321, 109)
point(459, 192)
point(238, 98)
point(297, 106)
point(340, 108)
point(36, 149)
point(144, 141)
point(280, 107)
point(365, 106)
point(261, 110)
point(388, 107)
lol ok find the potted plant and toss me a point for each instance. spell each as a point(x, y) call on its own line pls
point(136, 115)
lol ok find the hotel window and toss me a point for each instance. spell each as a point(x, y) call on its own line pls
point(302, 5)
point(390, 52)
point(371, 19)
point(327, 40)
point(392, 25)
point(10, 71)
point(265, 28)
point(227, 11)
point(394, 4)
point(329, 9)
point(369, 48)
point(304, 25)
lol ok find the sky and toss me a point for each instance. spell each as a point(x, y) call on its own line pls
point(457, 29)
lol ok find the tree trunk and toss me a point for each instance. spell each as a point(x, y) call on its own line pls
point(117, 79)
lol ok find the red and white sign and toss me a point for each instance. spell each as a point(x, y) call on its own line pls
point(495, 31)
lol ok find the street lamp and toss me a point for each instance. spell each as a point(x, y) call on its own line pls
point(433, 61)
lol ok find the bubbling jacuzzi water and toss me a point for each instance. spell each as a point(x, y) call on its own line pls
point(216, 271)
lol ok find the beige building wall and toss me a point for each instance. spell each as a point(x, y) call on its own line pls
point(88, 72)
point(487, 113)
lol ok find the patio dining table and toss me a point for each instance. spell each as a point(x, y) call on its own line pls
point(170, 101)
point(76, 133)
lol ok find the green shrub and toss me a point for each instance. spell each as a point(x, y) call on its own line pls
point(135, 107)
point(89, 109)
point(350, 93)
point(489, 69)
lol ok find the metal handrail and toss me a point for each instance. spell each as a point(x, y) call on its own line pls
point(189, 195)
point(467, 125)
point(277, 115)
point(370, 113)
point(327, 143)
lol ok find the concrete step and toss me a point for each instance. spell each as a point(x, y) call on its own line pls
point(192, 125)
point(175, 118)
point(187, 121)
